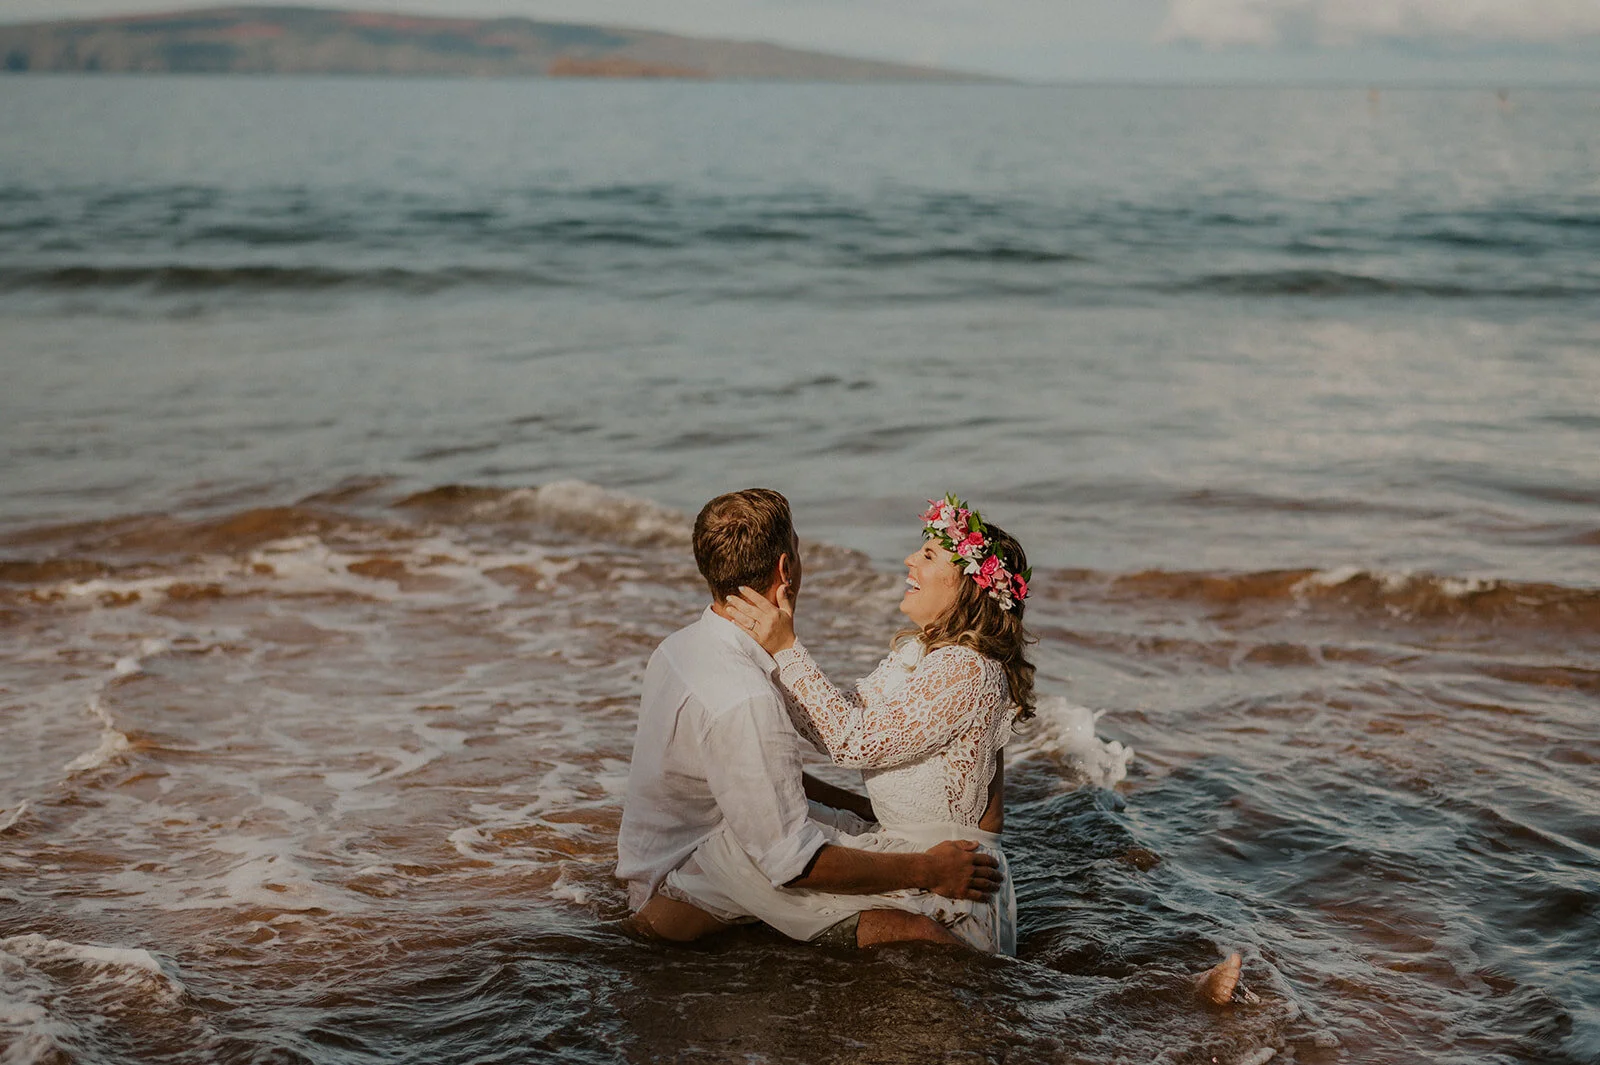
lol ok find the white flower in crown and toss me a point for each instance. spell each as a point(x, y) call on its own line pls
point(1001, 592)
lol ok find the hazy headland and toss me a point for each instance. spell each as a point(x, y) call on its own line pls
point(306, 40)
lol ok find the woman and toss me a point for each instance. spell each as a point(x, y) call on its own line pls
point(927, 726)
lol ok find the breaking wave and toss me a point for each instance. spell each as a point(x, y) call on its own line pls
point(1421, 597)
point(65, 1001)
point(1065, 730)
point(574, 507)
point(75, 560)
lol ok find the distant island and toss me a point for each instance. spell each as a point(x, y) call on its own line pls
point(306, 40)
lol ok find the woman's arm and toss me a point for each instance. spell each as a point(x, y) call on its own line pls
point(944, 697)
point(947, 693)
point(772, 626)
point(801, 720)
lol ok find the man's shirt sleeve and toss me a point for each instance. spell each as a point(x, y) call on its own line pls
point(752, 764)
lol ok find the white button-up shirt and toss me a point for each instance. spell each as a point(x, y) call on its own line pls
point(714, 744)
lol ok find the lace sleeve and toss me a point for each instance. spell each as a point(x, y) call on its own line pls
point(798, 715)
point(802, 721)
point(942, 699)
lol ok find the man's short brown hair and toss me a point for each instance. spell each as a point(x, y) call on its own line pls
point(739, 538)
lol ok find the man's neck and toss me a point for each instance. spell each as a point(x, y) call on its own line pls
point(720, 608)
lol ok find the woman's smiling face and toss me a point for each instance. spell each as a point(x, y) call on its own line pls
point(932, 580)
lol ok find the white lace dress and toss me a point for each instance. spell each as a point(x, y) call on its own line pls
point(925, 731)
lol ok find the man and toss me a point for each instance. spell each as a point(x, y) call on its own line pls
point(717, 826)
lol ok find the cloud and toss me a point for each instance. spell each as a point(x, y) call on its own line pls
point(1265, 23)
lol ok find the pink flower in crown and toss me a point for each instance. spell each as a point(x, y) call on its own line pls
point(959, 527)
point(1021, 587)
point(971, 546)
point(932, 513)
point(986, 572)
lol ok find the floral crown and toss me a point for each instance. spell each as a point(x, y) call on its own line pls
point(960, 530)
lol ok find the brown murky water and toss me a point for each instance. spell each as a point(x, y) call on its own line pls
point(342, 780)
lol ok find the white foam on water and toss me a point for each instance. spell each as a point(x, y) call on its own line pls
point(478, 842)
point(1065, 730)
point(35, 947)
point(570, 892)
point(1329, 578)
point(466, 841)
point(584, 507)
point(128, 665)
point(293, 809)
point(498, 833)
point(124, 587)
point(612, 777)
point(30, 1034)
point(1462, 587)
point(53, 990)
point(307, 564)
point(14, 816)
point(274, 881)
point(1394, 581)
point(112, 742)
point(264, 875)
point(346, 781)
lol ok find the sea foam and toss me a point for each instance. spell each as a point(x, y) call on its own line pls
point(56, 994)
point(1065, 730)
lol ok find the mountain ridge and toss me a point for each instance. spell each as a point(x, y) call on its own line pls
point(317, 40)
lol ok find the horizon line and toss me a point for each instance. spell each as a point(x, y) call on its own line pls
point(996, 82)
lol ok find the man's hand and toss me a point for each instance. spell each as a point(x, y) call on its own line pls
point(772, 625)
point(959, 870)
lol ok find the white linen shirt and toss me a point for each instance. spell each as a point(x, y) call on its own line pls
point(714, 745)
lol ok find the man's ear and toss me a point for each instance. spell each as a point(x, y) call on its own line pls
point(785, 571)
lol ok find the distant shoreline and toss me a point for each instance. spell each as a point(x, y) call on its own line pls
point(287, 41)
point(976, 83)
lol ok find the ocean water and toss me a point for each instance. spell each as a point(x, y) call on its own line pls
point(351, 430)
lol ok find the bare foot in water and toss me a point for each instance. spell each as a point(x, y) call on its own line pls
point(1218, 984)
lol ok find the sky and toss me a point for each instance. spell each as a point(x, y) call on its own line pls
point(1490, 42)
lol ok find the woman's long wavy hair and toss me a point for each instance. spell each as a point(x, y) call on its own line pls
point(979, 622)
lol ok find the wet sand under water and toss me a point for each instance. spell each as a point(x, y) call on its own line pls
point(340, 782)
